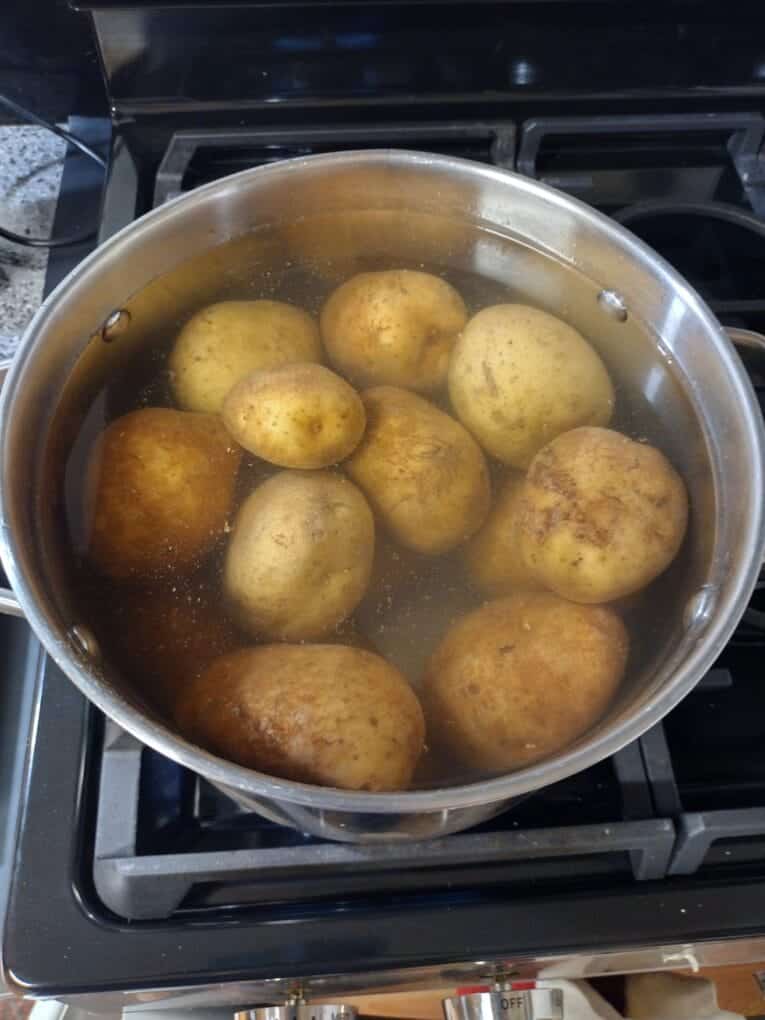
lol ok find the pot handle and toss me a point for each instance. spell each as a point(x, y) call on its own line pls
point(9, 604)
point(746, 340)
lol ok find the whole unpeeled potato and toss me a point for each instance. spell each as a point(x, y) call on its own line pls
point(518, 377)
point(522, 677)
point(300, 555)
point(492, 557)
point(325, 714)
point(423, 473)
point(601, 515)
point(165, 634)
point(226, 341)
point(296, 416)
point(160, 487)
point(397, 326)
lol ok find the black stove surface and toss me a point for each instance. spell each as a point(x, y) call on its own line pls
point(132, 873)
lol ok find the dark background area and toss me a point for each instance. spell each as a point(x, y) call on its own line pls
point(48, 60)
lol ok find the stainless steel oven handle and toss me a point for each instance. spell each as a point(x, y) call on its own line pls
point(9, 604)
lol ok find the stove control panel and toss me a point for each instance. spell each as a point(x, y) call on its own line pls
point(506, 1004)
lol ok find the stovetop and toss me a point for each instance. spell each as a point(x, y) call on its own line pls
point(133, 874)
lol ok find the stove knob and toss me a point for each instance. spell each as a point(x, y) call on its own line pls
point(526, 1004)
point(299, 1011)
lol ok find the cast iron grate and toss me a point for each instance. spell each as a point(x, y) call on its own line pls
point(168, 841)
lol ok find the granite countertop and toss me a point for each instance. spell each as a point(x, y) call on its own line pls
point(31, 159)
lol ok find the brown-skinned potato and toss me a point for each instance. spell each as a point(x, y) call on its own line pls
point(160, 489)
point(227, 341)
point(394, 327)
point(325, 714)
point(522, 677)
point(423, 473)
point(493, 559)
point(601, 515)
point(166, 634)
point(519, 376)
point(300, 555)
point(297, 416)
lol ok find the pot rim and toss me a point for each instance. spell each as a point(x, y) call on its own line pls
point(164, 740)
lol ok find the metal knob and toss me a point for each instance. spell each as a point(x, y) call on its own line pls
point(299, 1011)
point(529, 1004)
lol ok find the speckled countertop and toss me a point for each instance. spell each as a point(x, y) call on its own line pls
point(30, 172)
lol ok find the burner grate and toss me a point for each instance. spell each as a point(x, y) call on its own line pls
point(706, 766)
point(193, 849)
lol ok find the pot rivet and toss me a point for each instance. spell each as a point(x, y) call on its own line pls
point(613, 305)
point(116, 324)
point(85, 641)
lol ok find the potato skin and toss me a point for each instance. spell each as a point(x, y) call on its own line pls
point(492, 558)
point(224, 342)
point(518, 377)
point(325, 714)
point(522, 677)
point(397, 327)
point(166, 634)
point(160, 487)
point(296, 416)
point(300, 555)
point(423, 473)
point(601, 515)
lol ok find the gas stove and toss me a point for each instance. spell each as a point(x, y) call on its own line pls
point(136, 881)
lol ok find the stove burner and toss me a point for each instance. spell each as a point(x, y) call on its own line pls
point(718, 248)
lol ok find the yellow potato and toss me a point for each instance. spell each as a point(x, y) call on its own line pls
point(519, 377)
point(227, 341)
point(296, 416)
point(521, 678)
point(601, 515)
point(397, 327)
point(325, 714)
point(165, 634)
point(493, 557)
point(423, 473)
point(160, 487)
point(300, 555)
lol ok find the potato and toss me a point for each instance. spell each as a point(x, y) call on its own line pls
point(300, 555)
point(521, 678)
point(296, 416)
point(519, 377)
point(160, 487)
point(324, 714)
point(396, 327)
point(423, 473)
point(601, 515)
point(166, 635)
point(492, 558)
point(227, 341)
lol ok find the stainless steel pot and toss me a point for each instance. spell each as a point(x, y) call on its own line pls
point(662, 345)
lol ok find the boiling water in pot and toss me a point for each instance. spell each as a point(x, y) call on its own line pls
point(155, 630)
